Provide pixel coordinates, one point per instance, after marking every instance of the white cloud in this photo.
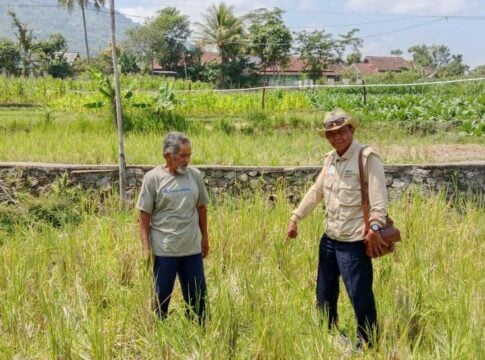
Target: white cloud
(421, 7)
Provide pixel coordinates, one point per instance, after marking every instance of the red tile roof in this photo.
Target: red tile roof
(297, 65)
(365, 68)
(209, 56)
(387, 63)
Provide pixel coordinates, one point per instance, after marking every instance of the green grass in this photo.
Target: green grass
(82, 291)
(43, 136)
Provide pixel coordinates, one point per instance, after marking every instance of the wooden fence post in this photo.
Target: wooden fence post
(364, 92)
(262, 98)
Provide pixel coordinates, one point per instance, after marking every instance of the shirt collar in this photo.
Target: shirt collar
(350, 151)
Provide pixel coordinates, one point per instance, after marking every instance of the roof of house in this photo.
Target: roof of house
(206, 57)
(365, 68)
(387, 63)
(70, 57)
(296, 65)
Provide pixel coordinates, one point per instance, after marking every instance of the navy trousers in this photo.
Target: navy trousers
(190, 270)
(349, 260)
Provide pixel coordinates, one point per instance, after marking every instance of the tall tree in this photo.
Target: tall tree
(478, 71)
(454, 68)
(421, 55)
(440, 55)
(222, 29)
(25, 39)
(270, 39)
(354, 57)
(162, 38)
(318, 49)
(9, 56)
(396, 52)
(51, 49)
(354, 42)
(83, 4)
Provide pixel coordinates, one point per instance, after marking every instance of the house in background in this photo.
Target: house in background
(378, 64)
(294, 73)
(71, 57)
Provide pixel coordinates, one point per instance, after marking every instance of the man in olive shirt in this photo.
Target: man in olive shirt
(342, 249)
(173, 224)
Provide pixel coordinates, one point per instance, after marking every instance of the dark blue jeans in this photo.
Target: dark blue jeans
(349, 260)
(190, 270)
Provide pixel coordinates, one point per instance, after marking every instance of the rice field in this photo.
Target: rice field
(73, 284)
(81, 290)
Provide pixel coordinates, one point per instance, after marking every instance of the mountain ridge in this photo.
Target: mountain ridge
(45, 18)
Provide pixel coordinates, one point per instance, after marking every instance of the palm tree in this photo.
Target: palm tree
(224, 30)
(70, 4)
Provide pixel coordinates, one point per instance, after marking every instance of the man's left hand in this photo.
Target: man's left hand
(377, 246)
(205, 246)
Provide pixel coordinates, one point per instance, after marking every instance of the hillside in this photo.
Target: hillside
(45, 18)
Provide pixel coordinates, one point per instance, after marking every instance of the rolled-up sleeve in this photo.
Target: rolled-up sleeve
(377, 190)
(203, 195)
(312, 198)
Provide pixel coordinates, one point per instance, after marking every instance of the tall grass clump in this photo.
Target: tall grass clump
(83, 291)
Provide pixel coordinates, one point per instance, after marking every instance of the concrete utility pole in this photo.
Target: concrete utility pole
(119, 118)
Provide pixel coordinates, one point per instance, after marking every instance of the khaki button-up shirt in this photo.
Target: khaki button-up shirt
(338, 183)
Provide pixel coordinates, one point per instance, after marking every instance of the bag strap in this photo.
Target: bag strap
(364, 191)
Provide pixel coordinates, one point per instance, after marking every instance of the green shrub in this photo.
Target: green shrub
(144, 120)
(258, 119)
(225, 126)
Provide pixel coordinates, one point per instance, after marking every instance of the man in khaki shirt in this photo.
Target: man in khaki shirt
(342, 250)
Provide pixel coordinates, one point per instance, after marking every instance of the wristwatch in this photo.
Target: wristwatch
(375, 227)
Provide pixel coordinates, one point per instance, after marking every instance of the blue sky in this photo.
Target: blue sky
(377, 20)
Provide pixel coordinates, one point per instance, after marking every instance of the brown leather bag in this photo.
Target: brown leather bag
(389, 233)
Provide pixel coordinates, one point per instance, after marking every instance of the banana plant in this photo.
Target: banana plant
(107, 90)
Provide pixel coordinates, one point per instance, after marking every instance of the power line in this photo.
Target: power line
(247, 42)
(354, 24)
(401, 29)
(144, 17)
(456, 17)
(480, 17)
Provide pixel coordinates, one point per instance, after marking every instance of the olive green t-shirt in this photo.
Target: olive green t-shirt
(172, 201)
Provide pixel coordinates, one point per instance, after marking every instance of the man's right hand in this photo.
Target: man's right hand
(147, 257)
(292, 231)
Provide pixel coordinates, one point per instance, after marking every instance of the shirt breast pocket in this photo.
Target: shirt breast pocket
(349, 192)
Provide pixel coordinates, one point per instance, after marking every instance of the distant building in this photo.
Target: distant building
(377, 64)
(294, 72)
(71, 57)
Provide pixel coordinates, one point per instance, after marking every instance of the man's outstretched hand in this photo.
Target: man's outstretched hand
(292, 231)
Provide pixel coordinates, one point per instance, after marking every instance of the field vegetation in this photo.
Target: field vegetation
(68, 121)
(73, 284)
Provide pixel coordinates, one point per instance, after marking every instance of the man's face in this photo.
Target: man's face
(180, 161)
(340, 139)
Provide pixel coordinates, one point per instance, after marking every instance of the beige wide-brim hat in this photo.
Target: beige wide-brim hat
(336, 119)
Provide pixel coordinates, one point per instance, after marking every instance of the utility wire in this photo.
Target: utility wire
(460, 17)
(248, 42)
(197, 6)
